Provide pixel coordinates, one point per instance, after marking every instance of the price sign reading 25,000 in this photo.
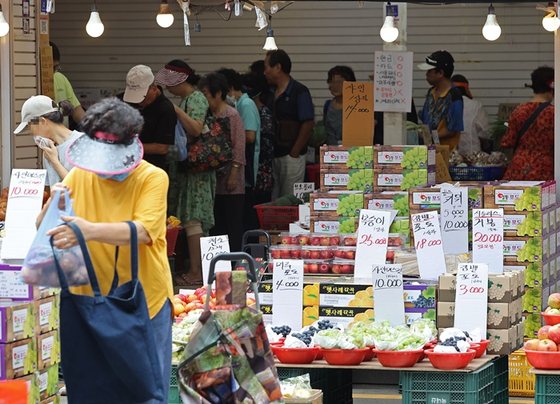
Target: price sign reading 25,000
(373, 232)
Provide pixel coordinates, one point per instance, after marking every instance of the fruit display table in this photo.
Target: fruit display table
(547, 386)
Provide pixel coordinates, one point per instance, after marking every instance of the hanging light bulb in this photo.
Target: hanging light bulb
(164, 17)
(389, 32)
(4, 26)
(551, 22)
(270, 43)
(94, 26)
(491, 30)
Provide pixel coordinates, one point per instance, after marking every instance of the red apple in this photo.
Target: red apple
(285, 254)
(350, 254)
(554, 333)
(531, 344)
(305, 254)
(336, 268)
(286, 240)
(275, 254)
(335, 240)
(347, 269)
(295, 254)
(315, 254)
(350, 241)
(313, 268)
(316, 241)
(304, 240)
(554, 312)
(294, 240)
(543, 332)
(554, 300)
(324, 268)
(339, 253)
(326, 254)
(325, 241)
(390, 256)
(305, 268)
(546, 345)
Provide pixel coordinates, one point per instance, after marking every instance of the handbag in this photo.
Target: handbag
(108, 349)
(178, 151)
(212, 149)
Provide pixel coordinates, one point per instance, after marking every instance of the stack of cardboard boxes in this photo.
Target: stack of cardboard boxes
(29, 340)
(504, 321)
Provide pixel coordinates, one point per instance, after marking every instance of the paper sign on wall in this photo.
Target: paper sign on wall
(357, 113)
(25, 200)
(455, 220)
(388, 303)
(287, 295)
(373, 232)
(429, 248)
(393, 81)
(488, 238)
(209, 248)
(302, 188)
(471, 297)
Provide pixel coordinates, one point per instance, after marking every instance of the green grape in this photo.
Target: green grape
(401, 204)
(347, 225)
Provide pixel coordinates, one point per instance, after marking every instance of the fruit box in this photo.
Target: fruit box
(48, 314)
(387, 201)
(47, 292)
(502, 288)
(310, 293)
(351, 179)
(523, 224)
(405, 157)
(330, 224)
(17, 320)
(336, 203)
(502, 341)
(430, 198)
(533, 274)
(13, 288)
(525, 249)
(396, 179)
(18, 358)
(500, 315)
(47, 380)
(316, 398)
(33, 395)
(346, 157)
(549, 220)
(419, 297)
(517, 196)
(411, 315)
(533, 300)
(346, 316)
(51, 400)
(531, 324)
(345, 295)
(48, 349)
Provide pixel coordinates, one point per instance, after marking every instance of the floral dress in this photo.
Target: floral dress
(533, 159)
(191, 195)
(265, 180)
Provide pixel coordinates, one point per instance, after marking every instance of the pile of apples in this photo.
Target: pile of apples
(548, 339)
(553, 304)
(185, 303)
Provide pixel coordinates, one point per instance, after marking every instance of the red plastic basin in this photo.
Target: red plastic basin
(370, 354)
(450, 361)
(543, 359)
(398, 359)
(551, 319)
(344, 357)
(482, 345)
(295, 355)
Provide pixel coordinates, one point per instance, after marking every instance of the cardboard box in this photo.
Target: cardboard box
(18, 358)
(405, 157)
(47, 381)
(336, 203)
(411, 315)
(345, 316)
(47, 292)
(51, 400)
(13, 288)
(510, 196)
(387, 201)
(310, 293)
(316, 398)
(48, 349)
(17, 320)
(442, 168)
(32, 388)
(330, 224)
(396, 179)
(505, 109)
(502, 341)
(48, 314)
(345, 295)
(351, 179)
(346, 157)
(500, 315)
(420, 297)
(531, 324)
(515, 247)
(520, 224)
(422, 198)
(532, 300)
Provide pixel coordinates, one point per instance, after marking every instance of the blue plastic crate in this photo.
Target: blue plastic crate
(475, 173)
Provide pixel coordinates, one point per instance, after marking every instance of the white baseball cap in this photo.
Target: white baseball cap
(34, 107)
(138, 81)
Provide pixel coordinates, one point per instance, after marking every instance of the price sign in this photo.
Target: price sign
(357, 113)
(302, 188)
(25, 199)
(471, 297)
(287, 295)
(488, 238)
(12, 287)
(428, 244)
(393, 81)
(388, 302)
(455, 220)
(373, 232)
(209, 248)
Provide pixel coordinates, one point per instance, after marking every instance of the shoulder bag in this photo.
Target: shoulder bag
(531, 119)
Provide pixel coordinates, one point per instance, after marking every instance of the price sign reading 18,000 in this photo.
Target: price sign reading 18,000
(488, 238)
(373, 232)
(471, 297)
(427, 240)
(387, 293)
(287, 294)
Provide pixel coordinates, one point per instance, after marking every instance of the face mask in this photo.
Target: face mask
(231, 101)
(117, 177)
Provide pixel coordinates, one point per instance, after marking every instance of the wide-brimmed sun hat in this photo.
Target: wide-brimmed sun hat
(172, 76)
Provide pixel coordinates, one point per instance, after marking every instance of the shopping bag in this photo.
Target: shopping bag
(108, 349)
(178, 151)
(228, 358)
(39, 266)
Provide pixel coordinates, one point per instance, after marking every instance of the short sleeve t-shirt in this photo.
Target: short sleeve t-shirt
(52, 175)
(63, 91)
(251, 121)
(196, 106)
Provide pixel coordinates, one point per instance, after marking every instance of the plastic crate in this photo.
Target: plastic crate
(475, 173)
(335, 383)
(521, 382)
(171, 237)
(174, 397)
(501, 387)
(449, 387)
(276, 217)
(547, 389)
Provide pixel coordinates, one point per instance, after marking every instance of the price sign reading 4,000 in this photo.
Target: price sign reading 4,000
(286, 285)
(287, 295)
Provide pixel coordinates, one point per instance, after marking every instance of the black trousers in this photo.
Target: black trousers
(228, 217)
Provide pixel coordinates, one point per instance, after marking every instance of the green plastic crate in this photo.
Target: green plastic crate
(449, 387)
(501, 380)
(336, 384)
(174, 397)
(547, 389)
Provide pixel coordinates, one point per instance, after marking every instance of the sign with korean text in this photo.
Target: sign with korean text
(373, 233)
(488, 238)
(209, 248)
(302, 188)
(13, 287)
(428, 244)
(287, 295)
(357, 113)
(471, 297)
(47, 80)
(455, 220)
(393, 81)
(25, 200)
(388, 303)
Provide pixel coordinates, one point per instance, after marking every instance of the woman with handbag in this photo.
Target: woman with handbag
(191, 194)
(531, 132)
(116, 344)
(230, 189)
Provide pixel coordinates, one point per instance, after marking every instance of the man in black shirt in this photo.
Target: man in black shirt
(158, 112)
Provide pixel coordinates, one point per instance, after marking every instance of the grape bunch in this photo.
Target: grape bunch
(347, 225)
(532, 251)
(413, 178)
(531, 226)
(531, 300)
(452, 342)
(350, 204)
(533, 275)
(324, 324)
(415, 157)
(401, 204)
(360, 157)
(529, 200)
(422, 302)
(283, 330)
(360, 180)
(304, 336)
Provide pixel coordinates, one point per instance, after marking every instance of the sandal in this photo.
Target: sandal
(182, 279)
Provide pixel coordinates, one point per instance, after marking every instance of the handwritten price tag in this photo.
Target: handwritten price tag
(388, 302)
(373, 232)
(471, 297)
(455, 220)
(302, 188)
(357, 113)
(429, 248)
(209, 248)
(25, 199)
(287, 295)
(488, 238)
